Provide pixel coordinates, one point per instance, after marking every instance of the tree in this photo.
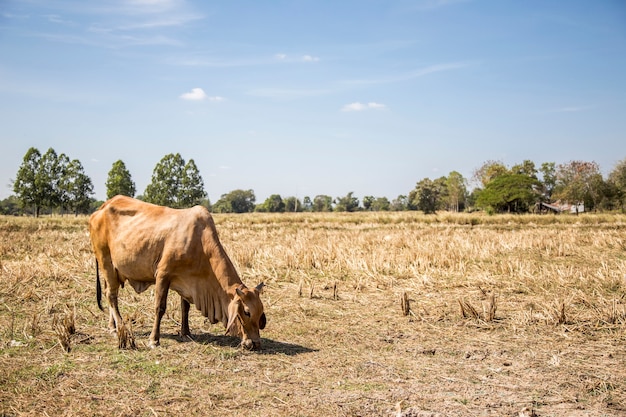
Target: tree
(348, 203)
(617, 179)
(488, 172)
(237, 201)
(527, 168)
(322, 203)
(191, 191)
(166, 181)
(78, 188)
(292, 205)
(456, 191)
(307, 204)
(49, 176)
(400, 203)
(273, 204)
(119, 181)
(175, 184)
(548, 179)
(426, 195)
(579, 181)
(513, 193)
(25, 185)
(380, 204)
(368, 200)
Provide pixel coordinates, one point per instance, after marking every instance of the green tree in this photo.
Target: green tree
(347, 203)
(548, 179)
(175, 183)
(579, 181)
(119, 181)
(381, 204)
(49, 176)
(400, 203)
(292, 205)
(322, 203)
(166, 181)
(426, 195)
(273, 204)
(191, 191)
(617, 178)
(25, 185)
(237, 201)
(527, 168)
(513, 193)
(77, 187)
(307, 204)
(368, 201)
(488, 172)
(456, 191)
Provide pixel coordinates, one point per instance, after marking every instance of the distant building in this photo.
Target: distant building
(559, 207)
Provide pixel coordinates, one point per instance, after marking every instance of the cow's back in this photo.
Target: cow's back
(139, 237)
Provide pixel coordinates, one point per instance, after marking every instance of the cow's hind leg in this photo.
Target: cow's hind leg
(160, 302)
(184, 318)
(112, 286)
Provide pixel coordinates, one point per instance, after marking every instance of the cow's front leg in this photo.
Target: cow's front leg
(184, 318)
(160, 302)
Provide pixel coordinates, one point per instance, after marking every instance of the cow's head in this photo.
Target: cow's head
(246, 316)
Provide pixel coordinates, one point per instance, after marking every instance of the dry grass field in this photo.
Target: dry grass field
(507, 316)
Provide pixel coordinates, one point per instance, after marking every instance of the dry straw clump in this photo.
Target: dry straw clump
(497, 314)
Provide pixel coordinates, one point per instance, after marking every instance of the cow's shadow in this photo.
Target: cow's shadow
(269, 346)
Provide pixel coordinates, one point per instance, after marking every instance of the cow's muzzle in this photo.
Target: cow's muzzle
(250, 344)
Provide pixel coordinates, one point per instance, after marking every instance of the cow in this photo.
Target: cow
(178, 249)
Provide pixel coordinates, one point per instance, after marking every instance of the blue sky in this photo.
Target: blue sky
(301, 98)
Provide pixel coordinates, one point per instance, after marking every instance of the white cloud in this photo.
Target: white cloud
(309, 58)
(358, 106)
(196, 94)
(216, 99)
(280, 57)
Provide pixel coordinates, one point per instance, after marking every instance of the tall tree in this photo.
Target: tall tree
(237, 201)
(166, 181)
(457, 191)
(513, 193)
(273, 204)
(617, 178)
(78, 188)
(191, 191)
(25, 185)
(548, 179)
(488, 172)
(578, 181)
(292, 205)
(347, 203)
(323, 203)
(175, 183)
(49, 176)
(426, 195)
(119, 181)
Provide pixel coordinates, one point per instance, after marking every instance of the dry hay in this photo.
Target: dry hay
(503, 315)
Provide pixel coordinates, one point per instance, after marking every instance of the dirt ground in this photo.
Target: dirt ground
(508, 316)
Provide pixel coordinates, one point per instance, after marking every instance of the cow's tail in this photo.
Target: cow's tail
(98, 288)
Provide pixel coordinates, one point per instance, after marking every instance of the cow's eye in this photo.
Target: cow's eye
(247, 313)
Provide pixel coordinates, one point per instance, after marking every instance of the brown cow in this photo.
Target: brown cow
(145, 244)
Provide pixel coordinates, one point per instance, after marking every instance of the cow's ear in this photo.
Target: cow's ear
(233, 312)
(259, 287)
(239, 291)
(262, 321)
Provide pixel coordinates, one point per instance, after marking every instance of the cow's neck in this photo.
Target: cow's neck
(226, 273)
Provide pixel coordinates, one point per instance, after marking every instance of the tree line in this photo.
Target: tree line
(51, 182)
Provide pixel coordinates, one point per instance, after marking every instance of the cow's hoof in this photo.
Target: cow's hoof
(153, 344)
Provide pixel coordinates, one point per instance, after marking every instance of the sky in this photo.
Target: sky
(304, 98)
